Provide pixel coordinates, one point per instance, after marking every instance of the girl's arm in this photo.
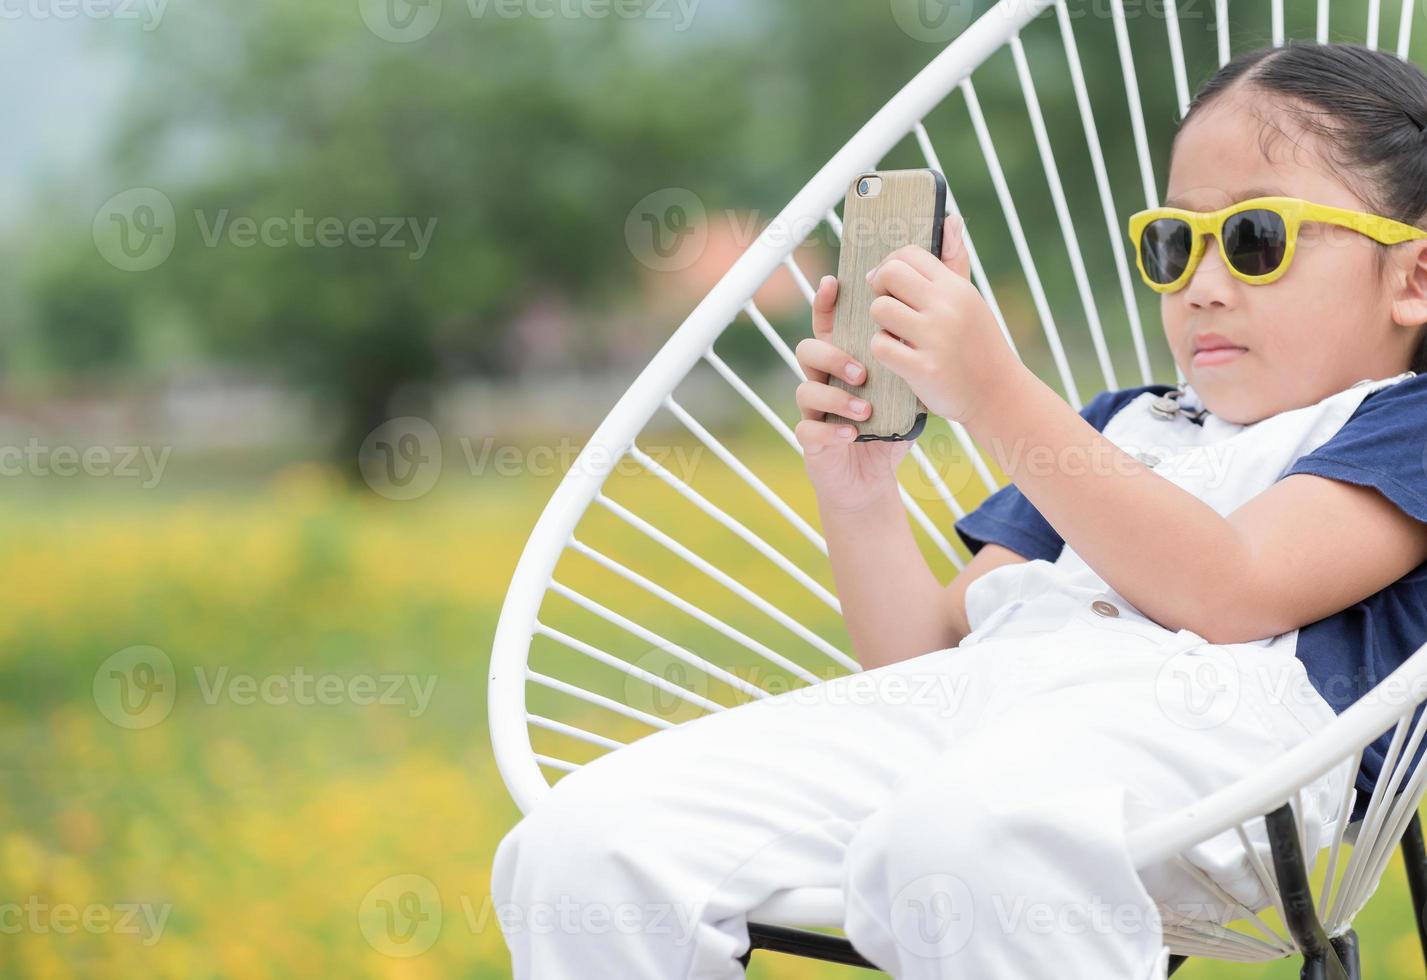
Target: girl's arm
(1302, 550)
(894, 607)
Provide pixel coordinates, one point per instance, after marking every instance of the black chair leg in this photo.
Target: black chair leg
(800, 942)
(1323, 958)
(1414, 856)
(1347, 947)
(833, 949)
(1320, 956)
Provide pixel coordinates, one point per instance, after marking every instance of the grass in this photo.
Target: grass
(266, 831)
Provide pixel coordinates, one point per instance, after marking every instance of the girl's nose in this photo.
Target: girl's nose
(1212, 284)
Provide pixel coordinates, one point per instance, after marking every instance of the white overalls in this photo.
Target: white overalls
(971, 803)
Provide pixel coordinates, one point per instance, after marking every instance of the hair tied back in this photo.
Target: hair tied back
(1421, 127)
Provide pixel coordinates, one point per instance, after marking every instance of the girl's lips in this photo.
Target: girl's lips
(1217, 356)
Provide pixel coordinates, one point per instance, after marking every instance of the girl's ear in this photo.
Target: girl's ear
(1409, 304)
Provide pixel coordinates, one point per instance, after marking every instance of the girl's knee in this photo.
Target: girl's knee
(581, 841)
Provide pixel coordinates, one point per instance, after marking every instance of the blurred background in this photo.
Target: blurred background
(305, 310)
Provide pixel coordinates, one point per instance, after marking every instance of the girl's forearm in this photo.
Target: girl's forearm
(891, 601)
(1166, 551)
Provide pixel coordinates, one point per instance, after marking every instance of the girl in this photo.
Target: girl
(1179, 585)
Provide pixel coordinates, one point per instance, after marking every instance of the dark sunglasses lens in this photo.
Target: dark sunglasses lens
(1165, 248)
(1256, 242)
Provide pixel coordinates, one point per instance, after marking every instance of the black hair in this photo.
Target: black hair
(1369, 108)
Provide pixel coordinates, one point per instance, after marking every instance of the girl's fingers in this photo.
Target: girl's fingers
(819, 359)
(815, 436)
(816, 399)
(895, 355)
(900, 359)
(920, 260)
(894, 316)
(824, 306)
(899, 278)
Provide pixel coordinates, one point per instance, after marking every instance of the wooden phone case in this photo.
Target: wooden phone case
(909, 210)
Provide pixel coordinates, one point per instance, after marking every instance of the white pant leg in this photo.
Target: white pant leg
(694, 825)
(1007, 858)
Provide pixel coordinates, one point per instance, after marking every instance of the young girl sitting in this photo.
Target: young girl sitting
(1179, 585)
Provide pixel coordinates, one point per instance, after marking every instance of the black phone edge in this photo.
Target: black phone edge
(937, 227)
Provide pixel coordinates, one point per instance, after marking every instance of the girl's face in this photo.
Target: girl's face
(1331, 320)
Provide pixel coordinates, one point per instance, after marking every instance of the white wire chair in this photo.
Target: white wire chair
(771, 611)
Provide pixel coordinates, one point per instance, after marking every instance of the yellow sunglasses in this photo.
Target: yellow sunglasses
(1256, 237)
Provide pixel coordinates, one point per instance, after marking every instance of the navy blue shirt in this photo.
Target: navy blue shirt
(1382, 445)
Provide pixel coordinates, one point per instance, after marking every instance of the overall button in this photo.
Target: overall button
(1103, 608)
(1148, 459)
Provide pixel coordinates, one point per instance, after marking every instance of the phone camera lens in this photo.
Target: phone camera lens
(863, 187)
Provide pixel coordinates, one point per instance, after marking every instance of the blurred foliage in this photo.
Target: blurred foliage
(527, 140)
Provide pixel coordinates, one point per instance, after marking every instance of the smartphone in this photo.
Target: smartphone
(884, 211)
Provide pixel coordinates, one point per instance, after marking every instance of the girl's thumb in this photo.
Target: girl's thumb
(953, 247)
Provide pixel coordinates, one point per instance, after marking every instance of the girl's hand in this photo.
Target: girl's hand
(937, 332)
(847, 475)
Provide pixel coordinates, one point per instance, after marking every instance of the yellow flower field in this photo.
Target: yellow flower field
(244, 730)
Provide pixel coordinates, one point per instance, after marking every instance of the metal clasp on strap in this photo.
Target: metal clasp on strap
(1167, 406)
